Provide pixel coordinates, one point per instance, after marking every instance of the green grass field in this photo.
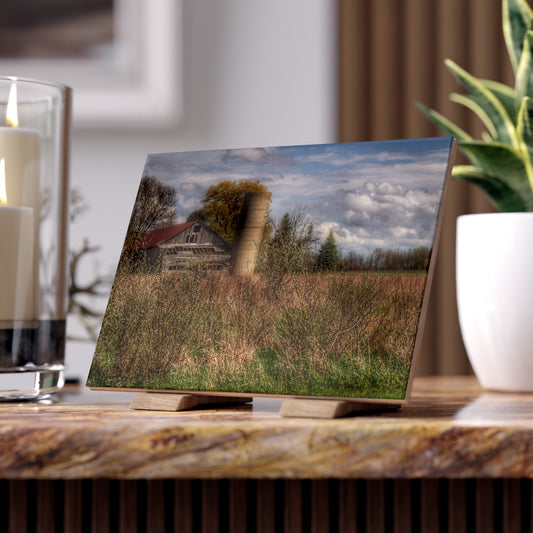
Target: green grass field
(314, 334)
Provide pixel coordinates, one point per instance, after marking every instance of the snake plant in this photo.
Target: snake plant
(502, 161)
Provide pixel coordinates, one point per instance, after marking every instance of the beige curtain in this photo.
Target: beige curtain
(391, 55)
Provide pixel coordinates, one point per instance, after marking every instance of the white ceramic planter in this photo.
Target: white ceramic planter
(494, 273)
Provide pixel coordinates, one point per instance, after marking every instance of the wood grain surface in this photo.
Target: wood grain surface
(451, 428)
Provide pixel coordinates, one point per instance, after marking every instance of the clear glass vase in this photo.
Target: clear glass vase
(34, 197)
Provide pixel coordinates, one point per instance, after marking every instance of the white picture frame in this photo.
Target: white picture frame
(139, 87)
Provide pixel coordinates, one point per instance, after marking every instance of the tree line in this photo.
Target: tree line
(386, 259)
(294, 248)
(288, 245)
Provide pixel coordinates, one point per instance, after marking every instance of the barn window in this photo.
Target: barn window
(196, 228)
(192, 238)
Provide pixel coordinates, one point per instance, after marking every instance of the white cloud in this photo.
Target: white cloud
(370, 194)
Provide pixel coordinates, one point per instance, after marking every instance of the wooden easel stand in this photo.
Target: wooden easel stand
(292, 408)
(297, 408)
(160, 401)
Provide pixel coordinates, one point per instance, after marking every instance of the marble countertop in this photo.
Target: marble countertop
(450, 428)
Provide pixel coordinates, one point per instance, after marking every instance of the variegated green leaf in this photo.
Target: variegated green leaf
(525, 133)
(505, 94)
(525, 122)
(486, 137)
(492, 107)
(445, 125)
(472, 104)
(500, 160)
(524, 74)
(500, 194)
(517, 19)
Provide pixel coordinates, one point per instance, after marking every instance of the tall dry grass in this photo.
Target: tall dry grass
(324, 334)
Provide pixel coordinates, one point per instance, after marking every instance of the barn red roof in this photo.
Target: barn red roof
(157, 236)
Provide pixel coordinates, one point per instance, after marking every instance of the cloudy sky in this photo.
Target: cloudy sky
(376, 194)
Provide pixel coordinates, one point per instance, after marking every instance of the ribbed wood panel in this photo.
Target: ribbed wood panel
(391, 55)
(325, 506)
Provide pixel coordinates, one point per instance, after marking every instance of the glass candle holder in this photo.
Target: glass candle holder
(34, 197)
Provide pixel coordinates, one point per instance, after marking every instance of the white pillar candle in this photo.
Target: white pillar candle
(17, 273)
(21, 150)
(16, 266)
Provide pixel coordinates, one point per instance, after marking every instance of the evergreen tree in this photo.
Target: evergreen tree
(290, 249)
(328, 255)
(283, 232)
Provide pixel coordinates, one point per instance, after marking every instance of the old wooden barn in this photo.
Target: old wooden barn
(183, 245)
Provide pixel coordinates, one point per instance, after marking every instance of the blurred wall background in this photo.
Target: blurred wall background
(257, 73)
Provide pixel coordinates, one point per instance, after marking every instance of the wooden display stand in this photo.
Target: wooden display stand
(297, 408)
(160, 401)
(291, 408)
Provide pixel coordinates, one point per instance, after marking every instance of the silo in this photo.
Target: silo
(249, 232)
